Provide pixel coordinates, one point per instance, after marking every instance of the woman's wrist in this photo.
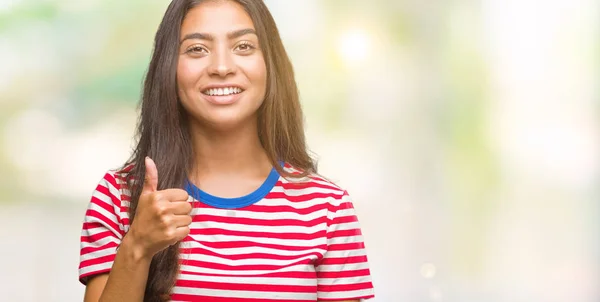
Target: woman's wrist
(133, 251)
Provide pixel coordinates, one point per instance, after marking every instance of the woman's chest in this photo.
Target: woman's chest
(245, 254)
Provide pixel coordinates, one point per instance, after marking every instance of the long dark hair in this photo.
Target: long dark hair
(162, 131)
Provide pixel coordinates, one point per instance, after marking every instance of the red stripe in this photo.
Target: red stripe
(291, 274)
(194, 298)
(261, 208)
(344, 219)
(302, 198)
(257, 208)
(344, 260)
(346, 246)
(345, 287)
(104, 219)
(306, 185)
(321, 179)
(99, 202)
(91, 249)
(244, 267)
(111, 180)
(345, 274)
(260, 222)
(273, 235)
(96, 237)
(344, 233)
(126, 169)
(247, 287)
(344, 205)
(349, 299)
(121, 178)
(201, 251)
(99, 260)
(92, 225)
(238, 244)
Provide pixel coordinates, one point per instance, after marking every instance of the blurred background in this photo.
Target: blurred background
(467, 132)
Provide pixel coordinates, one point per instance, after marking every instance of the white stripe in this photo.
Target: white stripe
(125, 205)
(104, 213)
(306, 190)
(311, 177)
(107, 227)
(98, 254)
(345, 281)
(251, 250)
(242, 294)
(100, 242)
(342, 267)
(107, 200)
(238, 227)
(346, 294)
(95, 268)
(347, 253)
(203, 270)
(103, 227)
(346, 226)
(250, 280)
(265, 240)
(326, 183)
(346, 239)
(297, 205)
(125, 191)
(345, 212)
(247, 261)
(261, 215)
(112, 189)
(95, 230)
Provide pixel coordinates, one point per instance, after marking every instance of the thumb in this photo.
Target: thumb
(151, 177)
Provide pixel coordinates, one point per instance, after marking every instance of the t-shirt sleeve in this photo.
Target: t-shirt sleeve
(102, 229)
(343, 273)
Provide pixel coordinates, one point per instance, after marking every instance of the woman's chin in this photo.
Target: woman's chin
(223, 118)
(226, 122)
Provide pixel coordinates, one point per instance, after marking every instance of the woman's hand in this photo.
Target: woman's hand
(162, 218)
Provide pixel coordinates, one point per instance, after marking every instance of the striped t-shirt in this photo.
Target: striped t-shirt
(289, 240)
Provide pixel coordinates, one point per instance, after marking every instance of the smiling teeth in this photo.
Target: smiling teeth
(223, 91)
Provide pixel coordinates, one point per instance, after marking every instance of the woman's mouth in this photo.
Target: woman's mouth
(222, 95)
(222, 91)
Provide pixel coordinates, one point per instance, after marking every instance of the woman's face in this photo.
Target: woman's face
(221, 73)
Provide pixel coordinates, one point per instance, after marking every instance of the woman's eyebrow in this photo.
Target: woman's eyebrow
(231, 35)
(242, 32)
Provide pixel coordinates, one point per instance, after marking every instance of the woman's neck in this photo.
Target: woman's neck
(237, 151)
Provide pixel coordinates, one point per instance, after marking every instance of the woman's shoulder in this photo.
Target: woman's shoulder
(117, 178)
(311, 181)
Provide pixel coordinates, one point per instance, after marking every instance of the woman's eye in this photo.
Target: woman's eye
(196, 49)
(245, 47)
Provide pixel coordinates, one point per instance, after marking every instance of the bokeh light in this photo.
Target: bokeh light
(354, 46)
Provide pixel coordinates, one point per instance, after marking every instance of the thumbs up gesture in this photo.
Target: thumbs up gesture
(162, 218)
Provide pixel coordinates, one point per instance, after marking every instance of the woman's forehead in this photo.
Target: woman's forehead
(217, 18)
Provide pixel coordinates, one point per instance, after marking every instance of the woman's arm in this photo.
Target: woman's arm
(162, 219)
(127, 278)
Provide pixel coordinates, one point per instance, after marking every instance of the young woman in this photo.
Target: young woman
(220, 200)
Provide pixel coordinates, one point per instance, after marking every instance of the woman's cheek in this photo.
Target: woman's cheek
(189, 71)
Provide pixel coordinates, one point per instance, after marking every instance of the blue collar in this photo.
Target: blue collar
(234, 203)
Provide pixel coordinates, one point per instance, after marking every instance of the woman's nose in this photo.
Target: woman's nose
(222, 63)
